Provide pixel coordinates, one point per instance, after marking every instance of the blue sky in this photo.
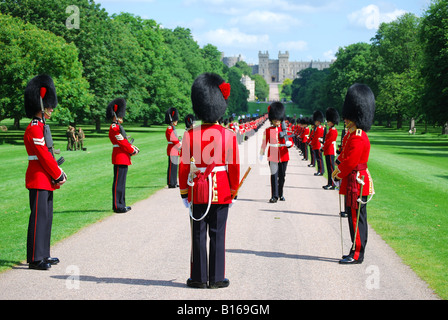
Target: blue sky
(309, 30)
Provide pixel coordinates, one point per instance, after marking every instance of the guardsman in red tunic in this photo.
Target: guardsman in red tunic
(358, 113)
(329, 149)
(304, 137)
(316, 143)
(43, 175)
(173, 148)
(278, 153)
(121, 154)
(209, 173)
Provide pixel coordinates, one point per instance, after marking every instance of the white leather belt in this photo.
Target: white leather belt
(277, 145)
(216, 169)
(31, 158)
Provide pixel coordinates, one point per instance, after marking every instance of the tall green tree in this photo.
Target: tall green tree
(353, 64)
(28, 51)
(434, 36)
(310, 91)
(397, 51)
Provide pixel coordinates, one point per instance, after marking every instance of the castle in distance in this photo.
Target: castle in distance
(278, 70)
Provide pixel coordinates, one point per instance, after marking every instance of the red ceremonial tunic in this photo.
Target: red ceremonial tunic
(353, 159)
(318, 133)
(121, 155)
(210, 143)
(305, 134)
(330, 142)
(277, 151)
(174, 144)
(42, 167)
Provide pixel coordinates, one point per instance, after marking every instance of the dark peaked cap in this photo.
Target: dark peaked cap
(117, 106)
(359, 106)
(208, 101)
(40, 86)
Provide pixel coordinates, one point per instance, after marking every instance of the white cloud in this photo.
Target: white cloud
(371, 17)
(293, 46)
(266, 20)
(239, 7)
(329, 55)
(233, 38)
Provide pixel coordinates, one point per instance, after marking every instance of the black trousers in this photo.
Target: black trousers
(215, 222)
(278, 175)
(313, 157)
(305, 151)
(171, 175)
(329, 161)
(119, 187)
(39, 227)
(360, 239)
(319, 160)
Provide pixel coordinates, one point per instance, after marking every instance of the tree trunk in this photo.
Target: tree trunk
(399, 121)
(16, 123)
(98, 124)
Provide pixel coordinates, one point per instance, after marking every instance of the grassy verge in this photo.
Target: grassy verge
(409, 209)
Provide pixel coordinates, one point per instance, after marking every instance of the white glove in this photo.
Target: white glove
(233, 202)
(288, 144)
(186, 203)
(261, 157)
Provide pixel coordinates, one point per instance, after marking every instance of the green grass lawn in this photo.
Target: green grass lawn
(409, 209)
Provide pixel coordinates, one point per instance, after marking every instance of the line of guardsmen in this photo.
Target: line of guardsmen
(208, 181)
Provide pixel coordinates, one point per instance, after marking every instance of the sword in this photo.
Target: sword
(242, 182)
(359, 211)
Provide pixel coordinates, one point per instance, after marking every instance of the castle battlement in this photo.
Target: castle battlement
(279, 70)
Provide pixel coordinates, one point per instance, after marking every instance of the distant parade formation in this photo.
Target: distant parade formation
(204, 165)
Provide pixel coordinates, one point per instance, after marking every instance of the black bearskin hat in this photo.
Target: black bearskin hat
(318, 116)
(116, 107)
(43, 87)
(209, 95)
(359, 106)
(189, 121)
(276, 111)
(332, 115)
(171, 115)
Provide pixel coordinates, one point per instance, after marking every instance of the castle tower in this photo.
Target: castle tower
(283, 66)
(263, 65)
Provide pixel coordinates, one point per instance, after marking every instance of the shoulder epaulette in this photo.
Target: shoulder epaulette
(359, 132)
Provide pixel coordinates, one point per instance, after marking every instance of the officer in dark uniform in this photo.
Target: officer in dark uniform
(43, 175)
(209, 174)
(358, 113)
(173, 148)
(121, 154)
